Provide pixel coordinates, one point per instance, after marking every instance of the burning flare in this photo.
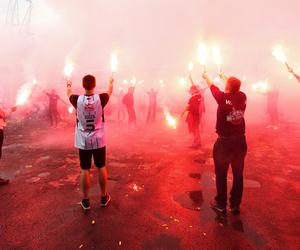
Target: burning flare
(191, 66)
(114, 64)
(217, 56)
(202, 54)
(71, 109)
(25, 92)
(261, 87)
(171, 121)
(133, 81)
(69, 68)
(182, 82)
(279, 54)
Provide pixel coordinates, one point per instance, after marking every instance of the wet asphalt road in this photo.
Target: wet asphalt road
(160, 192)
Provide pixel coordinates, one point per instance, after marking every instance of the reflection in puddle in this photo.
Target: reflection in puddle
(33, 180)
(191, 200)
(195, 175)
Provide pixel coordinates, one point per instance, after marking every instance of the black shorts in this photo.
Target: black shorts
(99, 156)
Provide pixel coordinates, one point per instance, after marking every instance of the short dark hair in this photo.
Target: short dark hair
(233, 84)
(89, 82)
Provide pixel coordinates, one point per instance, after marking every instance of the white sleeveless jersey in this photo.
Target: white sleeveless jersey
(89, 132)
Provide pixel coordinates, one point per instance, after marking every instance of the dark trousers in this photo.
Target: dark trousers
(151, 113)
(229, 151)
(53, 115)
(131, 115)
(1, 141)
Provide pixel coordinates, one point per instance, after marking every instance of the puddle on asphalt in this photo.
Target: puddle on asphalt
(55, 184)
(196, 176)
(294, 167)
(33, 180)
(70, 179)
(248, 183)
(118, 164)
(251, 184)
(191, 200)
(17, 145)
(200, 160)
(279, 179)
(210, 161)
(45, 174)
(162, 217)
(43, 158)
(163, 241)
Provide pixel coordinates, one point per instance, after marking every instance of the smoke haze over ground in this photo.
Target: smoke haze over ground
(160, 185)
(154, 39)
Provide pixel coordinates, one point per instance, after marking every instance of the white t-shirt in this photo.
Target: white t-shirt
(89, 131)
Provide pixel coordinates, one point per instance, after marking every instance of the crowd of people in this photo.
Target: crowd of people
(229, 149)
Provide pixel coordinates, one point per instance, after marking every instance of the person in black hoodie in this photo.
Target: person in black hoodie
(230, 147)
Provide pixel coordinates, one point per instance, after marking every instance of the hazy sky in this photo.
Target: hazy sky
(164, 33)
(155, 38)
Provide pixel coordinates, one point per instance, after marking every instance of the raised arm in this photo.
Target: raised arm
(63, 101)
(292, 72)
(4, 113)
(223, 76)
(191, 80)
(69, 88)
(297, 77)
(209, 82)
(110, 86)
(217, 94)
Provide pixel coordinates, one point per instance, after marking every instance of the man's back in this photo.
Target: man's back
(230, 114)
(89, 132)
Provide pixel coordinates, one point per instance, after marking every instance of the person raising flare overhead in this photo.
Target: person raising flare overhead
(53, 110)
(194, 115)
(230, 147)
(294, 74)
(90, 135)
(3, 116)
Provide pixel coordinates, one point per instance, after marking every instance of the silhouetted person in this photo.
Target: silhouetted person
(53, 110)
(230, 147)
(202, 104)
(3, 116)
(152, 94)
(128, 101)
(121, 108)
(194, 115)
(90, 136)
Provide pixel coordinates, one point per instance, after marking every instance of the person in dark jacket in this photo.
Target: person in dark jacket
(152, 94)
(230, 147)
(128, 101)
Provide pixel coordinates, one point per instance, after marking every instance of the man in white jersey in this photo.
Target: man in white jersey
(90, 135)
